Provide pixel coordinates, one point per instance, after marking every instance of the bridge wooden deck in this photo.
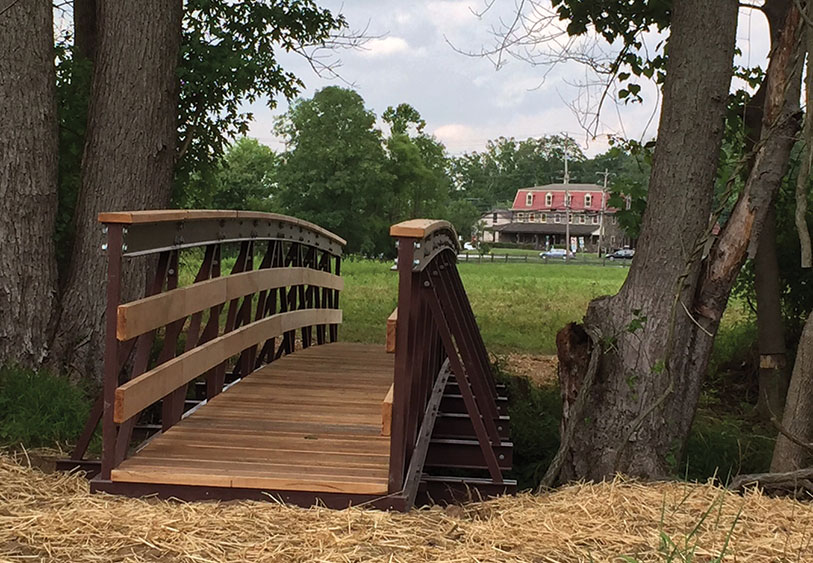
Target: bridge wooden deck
(306, 422)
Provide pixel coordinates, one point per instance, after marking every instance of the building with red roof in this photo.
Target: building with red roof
(540, 217)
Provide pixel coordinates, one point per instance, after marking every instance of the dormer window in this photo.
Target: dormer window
(588, 200)
(548, 199)
(568, 200)
(529, 199)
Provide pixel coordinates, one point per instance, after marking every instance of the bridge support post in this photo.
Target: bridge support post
(401, 382)
(111, 360)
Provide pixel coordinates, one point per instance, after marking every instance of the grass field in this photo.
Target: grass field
(519, 307)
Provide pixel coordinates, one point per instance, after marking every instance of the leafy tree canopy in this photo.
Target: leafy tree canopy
(229, 56)
(334, 172)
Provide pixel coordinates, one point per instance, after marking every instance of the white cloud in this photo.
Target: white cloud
(451, 13)
(384, 47)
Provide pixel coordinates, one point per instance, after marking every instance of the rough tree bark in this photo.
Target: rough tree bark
(797, 423)
(656, 334)
(773, 372)
(773, 376)
(128, 158)
(635, 326)
(28, 182)
(84, 27)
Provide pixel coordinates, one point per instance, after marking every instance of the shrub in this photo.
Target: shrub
(39, 409)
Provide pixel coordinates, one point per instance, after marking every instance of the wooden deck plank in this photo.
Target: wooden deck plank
(310, 421)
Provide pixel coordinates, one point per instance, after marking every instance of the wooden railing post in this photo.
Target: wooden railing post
(401, 377)
(111, 347)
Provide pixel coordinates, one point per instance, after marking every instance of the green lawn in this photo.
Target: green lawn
(519, 307)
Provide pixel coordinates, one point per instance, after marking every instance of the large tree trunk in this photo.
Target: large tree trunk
(773, 373)
(128, 159)
(789, 454)
(84, 28)
(656, 335)
(645, 375)
(28, 181)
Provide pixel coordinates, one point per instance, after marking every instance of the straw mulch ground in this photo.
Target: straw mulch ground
(52, 517)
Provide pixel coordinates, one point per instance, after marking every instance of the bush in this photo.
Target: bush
(724, 445)
(39, 409)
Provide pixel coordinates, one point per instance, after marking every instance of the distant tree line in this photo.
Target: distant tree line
(344, 172)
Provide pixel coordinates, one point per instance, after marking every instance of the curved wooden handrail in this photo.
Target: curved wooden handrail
(144, 390)
(141, 316)
(175, 215)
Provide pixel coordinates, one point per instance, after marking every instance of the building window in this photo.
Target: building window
(568, 200)
(612, 240)
(581, 219)
(548, 199)
(532, 218)
(588, 200)
(595, 219)
(494, 218)
(615, 219)
(529, 199)
(557, 218)
(543, 218)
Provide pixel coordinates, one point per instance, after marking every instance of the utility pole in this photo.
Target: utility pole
(567, 208)
(606, 173)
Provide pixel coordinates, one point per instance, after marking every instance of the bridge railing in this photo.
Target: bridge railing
(436, 338)
(224, 325)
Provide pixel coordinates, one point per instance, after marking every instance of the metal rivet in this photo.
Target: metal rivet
(104, 246)
(124, 247)
(104, 229)
(426, 283)
(502, 457)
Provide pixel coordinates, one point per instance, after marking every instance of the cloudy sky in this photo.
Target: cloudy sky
(415, 57)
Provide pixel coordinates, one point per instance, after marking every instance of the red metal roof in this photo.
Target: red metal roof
(578, 193)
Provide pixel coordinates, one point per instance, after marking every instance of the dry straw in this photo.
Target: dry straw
(53, 517)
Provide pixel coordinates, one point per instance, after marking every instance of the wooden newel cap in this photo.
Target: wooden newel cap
(420, 228)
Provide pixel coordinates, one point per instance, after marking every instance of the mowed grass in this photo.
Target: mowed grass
(519, 307)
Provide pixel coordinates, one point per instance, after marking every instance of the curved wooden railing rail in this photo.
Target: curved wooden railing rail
(436, 338)
(285, 280)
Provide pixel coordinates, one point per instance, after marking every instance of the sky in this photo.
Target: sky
(417, 55)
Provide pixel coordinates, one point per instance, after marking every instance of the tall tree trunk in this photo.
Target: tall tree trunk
(797, 422)
(28, 181)
(654, 338)
(773, 374)
(645, 375)
(128, 158)
(84, 28)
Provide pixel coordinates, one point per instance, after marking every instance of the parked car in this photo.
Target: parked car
(623, 254)
(555, 253)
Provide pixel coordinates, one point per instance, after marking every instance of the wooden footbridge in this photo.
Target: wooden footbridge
(237, 386)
